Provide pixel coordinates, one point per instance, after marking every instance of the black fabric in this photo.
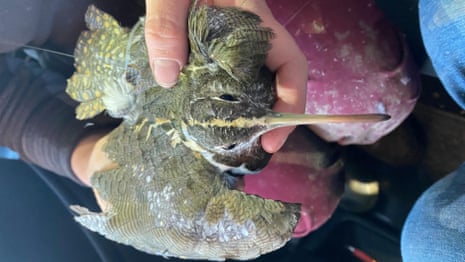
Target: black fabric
(37, 224)
(56, 22)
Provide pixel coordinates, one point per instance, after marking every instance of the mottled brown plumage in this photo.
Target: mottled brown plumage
(171, 192)
(165, 197)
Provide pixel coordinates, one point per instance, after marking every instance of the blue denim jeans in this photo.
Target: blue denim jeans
(442, 25)
(435, 228)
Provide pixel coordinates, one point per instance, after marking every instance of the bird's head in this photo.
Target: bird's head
(229, 92)
(223, 119)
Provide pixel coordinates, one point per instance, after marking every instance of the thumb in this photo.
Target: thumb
(166, 38)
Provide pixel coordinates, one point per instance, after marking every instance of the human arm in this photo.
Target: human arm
(42, 128)
(34, 121)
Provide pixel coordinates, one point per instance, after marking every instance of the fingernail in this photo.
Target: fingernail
(166, 72)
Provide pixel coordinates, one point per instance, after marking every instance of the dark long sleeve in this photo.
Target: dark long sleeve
(33, 120)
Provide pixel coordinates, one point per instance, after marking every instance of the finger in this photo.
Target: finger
(291, 84)
(103, 204)
(166, 38)
(290, 64)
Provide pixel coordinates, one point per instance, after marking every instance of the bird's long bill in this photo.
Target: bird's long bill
(276, 120)
(273, 120)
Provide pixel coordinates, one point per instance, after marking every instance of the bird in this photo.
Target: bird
(179, 152)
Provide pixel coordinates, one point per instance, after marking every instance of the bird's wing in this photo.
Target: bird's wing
(105, 76)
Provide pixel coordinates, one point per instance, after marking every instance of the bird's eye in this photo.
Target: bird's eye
(230, 147)
(228, 97)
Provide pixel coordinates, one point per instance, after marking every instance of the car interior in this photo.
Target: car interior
(382, 183)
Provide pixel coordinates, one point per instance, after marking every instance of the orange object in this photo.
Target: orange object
(364, 257)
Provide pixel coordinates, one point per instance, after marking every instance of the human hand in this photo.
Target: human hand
(89, 158)
(166, 37)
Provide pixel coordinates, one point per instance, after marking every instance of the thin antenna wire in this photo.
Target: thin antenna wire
(243, 3)
(37, 48)
(49, 51)
(129, 44)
